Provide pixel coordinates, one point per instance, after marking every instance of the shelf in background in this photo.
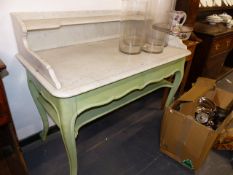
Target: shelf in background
(206, 9)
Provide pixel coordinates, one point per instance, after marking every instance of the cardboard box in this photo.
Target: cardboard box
(182, 137)
(225, 139)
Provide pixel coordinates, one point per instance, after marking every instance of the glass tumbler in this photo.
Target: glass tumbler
(132, 26)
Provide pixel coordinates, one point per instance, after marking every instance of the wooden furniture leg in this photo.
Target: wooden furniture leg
(191, 45)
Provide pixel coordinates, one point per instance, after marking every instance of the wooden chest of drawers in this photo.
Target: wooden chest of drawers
(221, 44)
(210, 55)
(219, 49)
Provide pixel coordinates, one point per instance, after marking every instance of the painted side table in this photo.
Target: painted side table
(76, 73)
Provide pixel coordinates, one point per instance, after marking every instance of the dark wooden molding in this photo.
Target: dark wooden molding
(191, 8)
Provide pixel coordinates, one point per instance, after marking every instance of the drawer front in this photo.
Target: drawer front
(221, 45)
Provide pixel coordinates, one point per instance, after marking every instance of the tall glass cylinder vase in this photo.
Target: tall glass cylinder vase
(132, 28)
(158, 16)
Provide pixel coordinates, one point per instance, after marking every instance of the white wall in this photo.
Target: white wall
(24, 112)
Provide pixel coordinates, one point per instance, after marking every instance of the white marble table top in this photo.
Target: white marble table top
(84, 67)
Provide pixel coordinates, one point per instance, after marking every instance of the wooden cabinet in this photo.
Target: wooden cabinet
(215, 50)
(221, 44)
(11, 158)
(210, 56)
(229, 60)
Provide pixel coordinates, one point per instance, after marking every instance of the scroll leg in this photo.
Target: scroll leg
(43, 114)
(68, 136)
(176, 83)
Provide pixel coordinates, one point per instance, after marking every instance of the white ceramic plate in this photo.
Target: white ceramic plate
(217, 20)
(225, 2)
(214, 16)
(229, 2)
(218, 2)
(209, 3)
(203, 3)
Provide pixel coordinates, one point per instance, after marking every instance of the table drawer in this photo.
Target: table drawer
(221, 45)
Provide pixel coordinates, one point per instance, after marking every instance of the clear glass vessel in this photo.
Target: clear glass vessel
(132, 28)
(158, 16)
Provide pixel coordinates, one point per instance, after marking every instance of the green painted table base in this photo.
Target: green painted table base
(70, 114)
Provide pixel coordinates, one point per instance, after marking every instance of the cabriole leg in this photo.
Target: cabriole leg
(43, 113)
(68, 136)
(67, 116)
(176, 83)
